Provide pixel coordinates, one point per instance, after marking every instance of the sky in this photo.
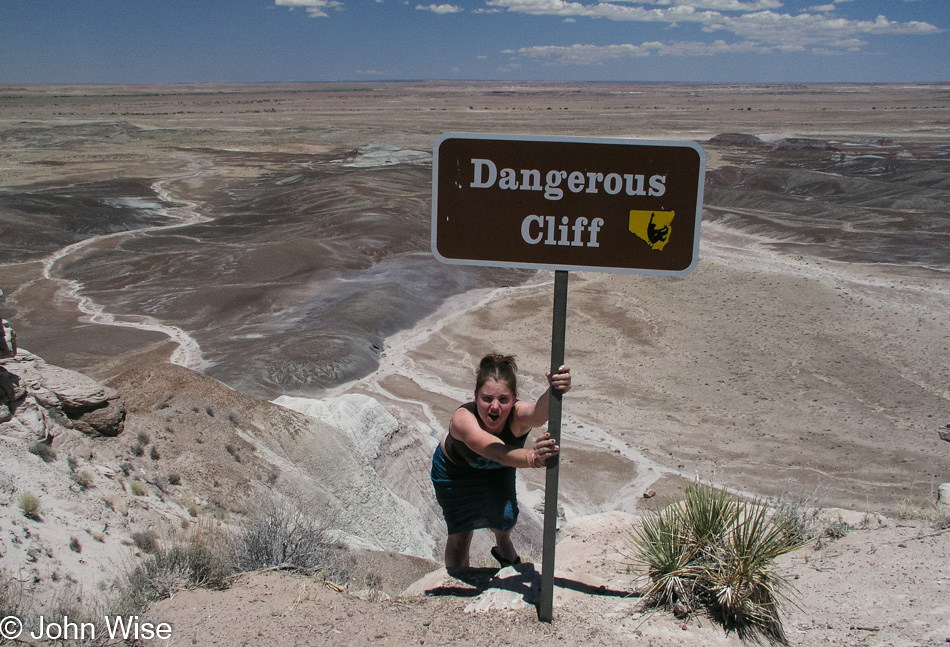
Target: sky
(197, 41)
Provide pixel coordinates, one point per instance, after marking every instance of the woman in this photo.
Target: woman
(473, 468)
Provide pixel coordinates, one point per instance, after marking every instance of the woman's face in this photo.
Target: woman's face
(494, 402)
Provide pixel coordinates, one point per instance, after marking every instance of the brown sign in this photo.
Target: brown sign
(565, 203)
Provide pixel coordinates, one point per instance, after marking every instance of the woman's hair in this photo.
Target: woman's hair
(497, 367)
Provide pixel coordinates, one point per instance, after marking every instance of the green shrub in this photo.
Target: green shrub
(714, 552)
(137, 488)
(30, 506)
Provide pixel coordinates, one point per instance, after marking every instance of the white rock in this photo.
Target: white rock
(943, 499)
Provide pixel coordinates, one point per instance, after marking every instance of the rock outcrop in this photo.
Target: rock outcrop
(7, 339)
(39, 401)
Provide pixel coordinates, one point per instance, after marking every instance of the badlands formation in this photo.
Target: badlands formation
(272, 242)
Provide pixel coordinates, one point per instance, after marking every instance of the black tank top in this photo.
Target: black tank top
(460, 454)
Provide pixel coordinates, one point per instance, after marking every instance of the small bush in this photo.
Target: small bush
(166, 572)
(138, 450)
(44, 451)
(799, 515)
(714, 552)
(197, 559)
(153, 453)
(281, 533)
(146, 541)
(174, 479)
(83, 479)
(11, 596)
(137, 488)
(836, 529)
(126, 467)
(143, 438)
(30, 506)
(74, 545)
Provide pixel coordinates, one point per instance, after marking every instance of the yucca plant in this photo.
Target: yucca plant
(663, 542)
(715, 552)
(708, 514)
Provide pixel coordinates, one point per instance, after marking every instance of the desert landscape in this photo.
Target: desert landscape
(205, 250)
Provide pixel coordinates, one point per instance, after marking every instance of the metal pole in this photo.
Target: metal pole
(545, 612)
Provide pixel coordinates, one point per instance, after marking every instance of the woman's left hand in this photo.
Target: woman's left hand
(545, 447)
(560, 380)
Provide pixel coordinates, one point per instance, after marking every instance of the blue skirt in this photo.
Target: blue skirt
(474, 498)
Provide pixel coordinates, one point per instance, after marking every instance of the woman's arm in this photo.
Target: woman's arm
(465, 427)
(527, 415)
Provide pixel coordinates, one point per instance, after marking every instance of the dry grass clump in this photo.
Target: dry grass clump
(713, 552)
(43, 450)
(923, 507)
(281, 534)
(194, 561)
(11, 596)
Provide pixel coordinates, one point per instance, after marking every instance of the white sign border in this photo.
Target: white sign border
(618, 141)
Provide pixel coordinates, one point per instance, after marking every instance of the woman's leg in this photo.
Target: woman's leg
(456, 549)
(505, 548)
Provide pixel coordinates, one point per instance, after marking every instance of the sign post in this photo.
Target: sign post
(558, 329)
(562, 204)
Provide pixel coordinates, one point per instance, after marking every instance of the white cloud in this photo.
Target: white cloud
(751, 19)
(625, 7)
(722, 5)
(314, 8)
(439, 8)
(785, 31)
(596, 54)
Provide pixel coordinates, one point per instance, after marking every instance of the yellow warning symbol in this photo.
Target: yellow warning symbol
(653, 227)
